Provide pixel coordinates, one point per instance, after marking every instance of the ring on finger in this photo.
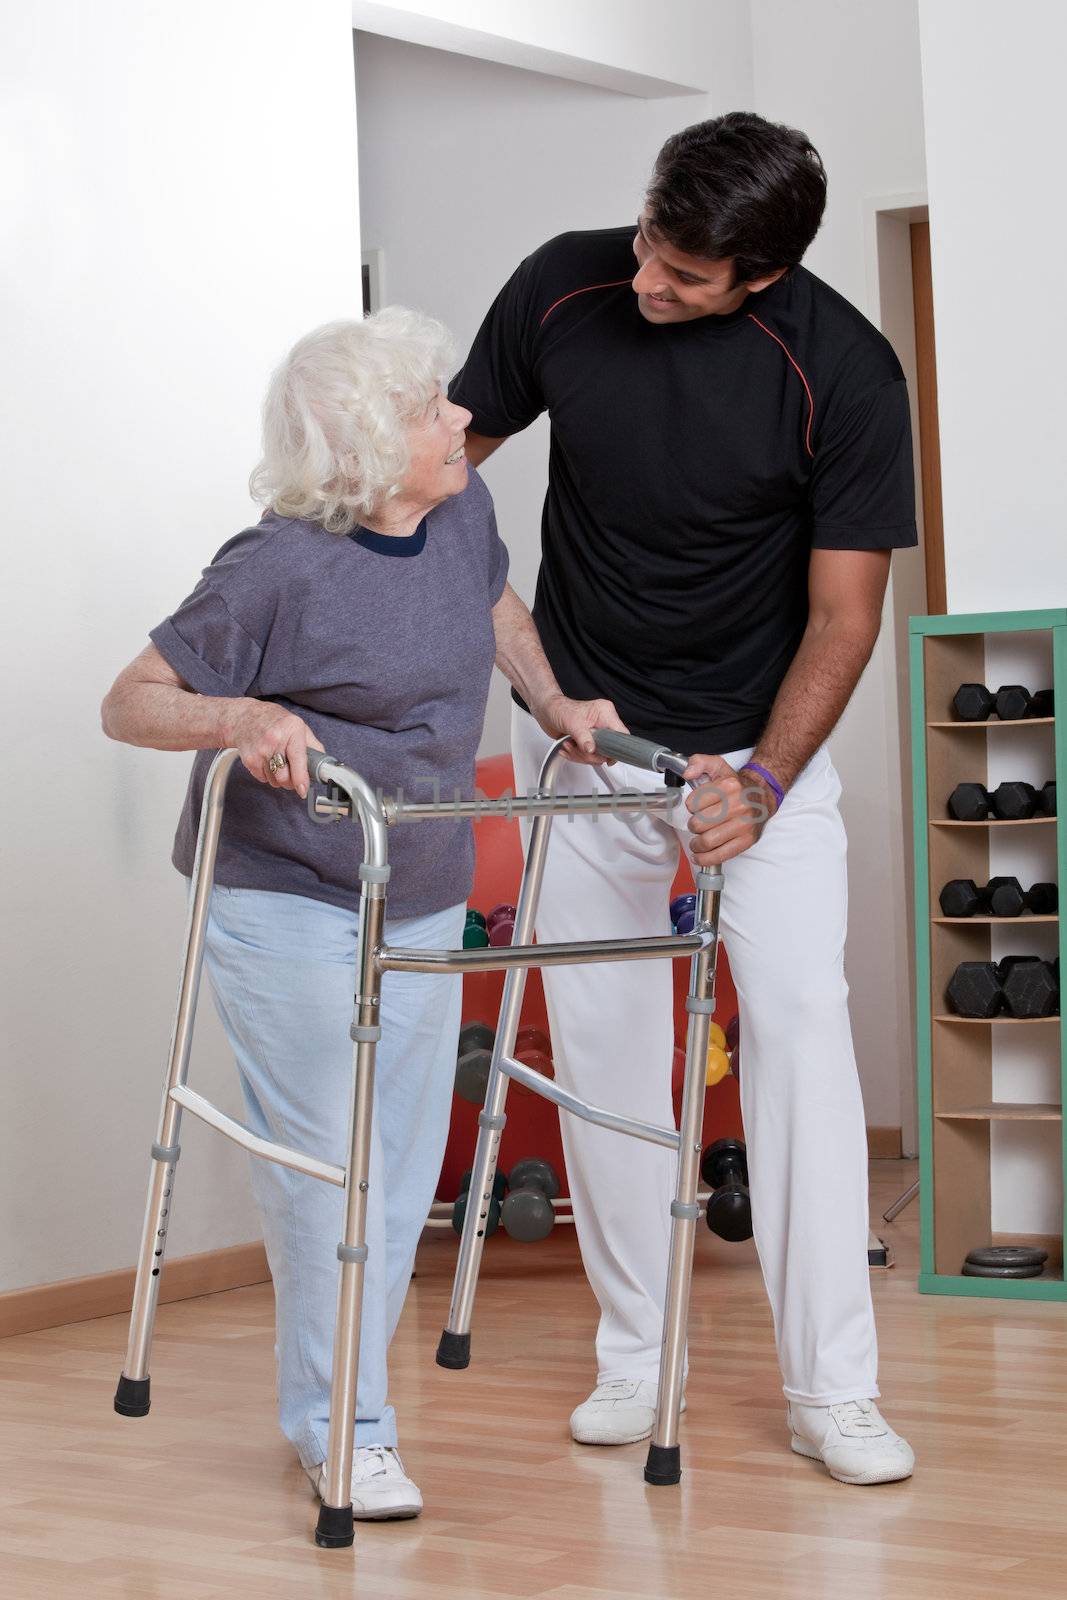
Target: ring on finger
(276, 763)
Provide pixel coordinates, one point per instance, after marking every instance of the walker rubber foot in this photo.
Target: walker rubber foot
(454, 1351)
(334, 1530)
(664, 1464)
(132, 1398)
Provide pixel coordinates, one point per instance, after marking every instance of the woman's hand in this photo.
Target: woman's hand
(260, 730)
(575, 720)
(728, 812)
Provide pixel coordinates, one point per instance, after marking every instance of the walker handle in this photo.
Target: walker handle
(315, 758)
(636, 752)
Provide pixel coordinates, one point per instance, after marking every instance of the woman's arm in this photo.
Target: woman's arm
(148, 704)
(521, 658)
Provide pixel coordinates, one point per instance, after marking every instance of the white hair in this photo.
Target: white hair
(334, 440)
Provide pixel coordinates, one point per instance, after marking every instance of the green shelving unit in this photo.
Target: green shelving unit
(957, 1056)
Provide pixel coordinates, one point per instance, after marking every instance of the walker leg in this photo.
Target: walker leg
(335, 1525)
(454, 1346)
(132, 1396)
(663, 1465)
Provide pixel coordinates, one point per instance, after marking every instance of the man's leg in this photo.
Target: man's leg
(784, 916)
(612, 1037)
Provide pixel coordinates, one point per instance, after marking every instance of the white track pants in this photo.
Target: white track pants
(783, 915)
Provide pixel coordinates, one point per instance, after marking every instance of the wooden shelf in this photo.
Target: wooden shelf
(991, 822)
(987, 1022)
(1004, 1111)
(962, 1061)
(993, 922)
(997, 722)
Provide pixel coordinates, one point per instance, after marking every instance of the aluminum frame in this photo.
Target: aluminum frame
(349, 796)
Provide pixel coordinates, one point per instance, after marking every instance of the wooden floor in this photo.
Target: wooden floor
(202, 1500)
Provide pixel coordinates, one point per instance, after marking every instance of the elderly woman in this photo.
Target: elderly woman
(361, 614)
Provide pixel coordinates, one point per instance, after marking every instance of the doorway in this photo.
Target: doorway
(929, 439)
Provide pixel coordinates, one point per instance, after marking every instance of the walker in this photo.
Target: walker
(348, 796)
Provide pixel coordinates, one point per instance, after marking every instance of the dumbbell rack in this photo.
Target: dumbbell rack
(962, 1125)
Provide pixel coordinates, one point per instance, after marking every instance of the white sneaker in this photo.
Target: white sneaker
(853, 1440)
(619, 1412)
(381, 1489)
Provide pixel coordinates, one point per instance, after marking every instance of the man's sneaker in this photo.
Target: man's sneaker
(619, 1412)
(853, 1440)
(381, 1489)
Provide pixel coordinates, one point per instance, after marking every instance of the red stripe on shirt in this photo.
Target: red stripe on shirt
(796, 367)
(587, 290)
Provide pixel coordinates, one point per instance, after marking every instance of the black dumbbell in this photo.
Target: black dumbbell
(528, 1213)
(724, 1168)
(1024, 986)
(1011, 802)
(1030, 985)
(474, 1036)
(973, 702)
(975, 990)
(1046, 799)
(492, 1214)
(473, 1060)
(969, 802)
(1008, 898)
(1013, 703)
(1000, 897)
(961, 897)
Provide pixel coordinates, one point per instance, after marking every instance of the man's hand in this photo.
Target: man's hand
(728, 812)
(260, 730)
(575, 721)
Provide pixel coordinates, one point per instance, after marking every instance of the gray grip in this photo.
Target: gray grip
(315, 758)
(627, 747)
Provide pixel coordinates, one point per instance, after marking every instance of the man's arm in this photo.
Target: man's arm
(846, 589)
(478, 447)
(521, 658)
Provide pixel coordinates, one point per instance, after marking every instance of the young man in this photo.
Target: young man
(730, 468)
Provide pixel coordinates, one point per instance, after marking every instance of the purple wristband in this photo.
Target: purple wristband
(769, 779)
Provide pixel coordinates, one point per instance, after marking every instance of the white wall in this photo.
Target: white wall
(625, 45)
(998, 236)
(532, 156)
(168, 231)
(176, 184)
(467, 166)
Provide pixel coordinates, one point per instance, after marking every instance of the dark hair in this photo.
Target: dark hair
(739, 187)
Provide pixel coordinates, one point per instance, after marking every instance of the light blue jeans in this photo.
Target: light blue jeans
(282, 970)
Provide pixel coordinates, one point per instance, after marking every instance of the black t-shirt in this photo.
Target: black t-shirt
(693, 467)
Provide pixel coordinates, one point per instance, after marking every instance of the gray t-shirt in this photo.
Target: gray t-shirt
(385, 647)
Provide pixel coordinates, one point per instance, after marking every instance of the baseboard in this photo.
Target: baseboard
(884, 1144)
(107, 1294)
(50, 1305)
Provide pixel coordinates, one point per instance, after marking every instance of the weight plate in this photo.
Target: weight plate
(971, 1271)
(1007, 1255)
